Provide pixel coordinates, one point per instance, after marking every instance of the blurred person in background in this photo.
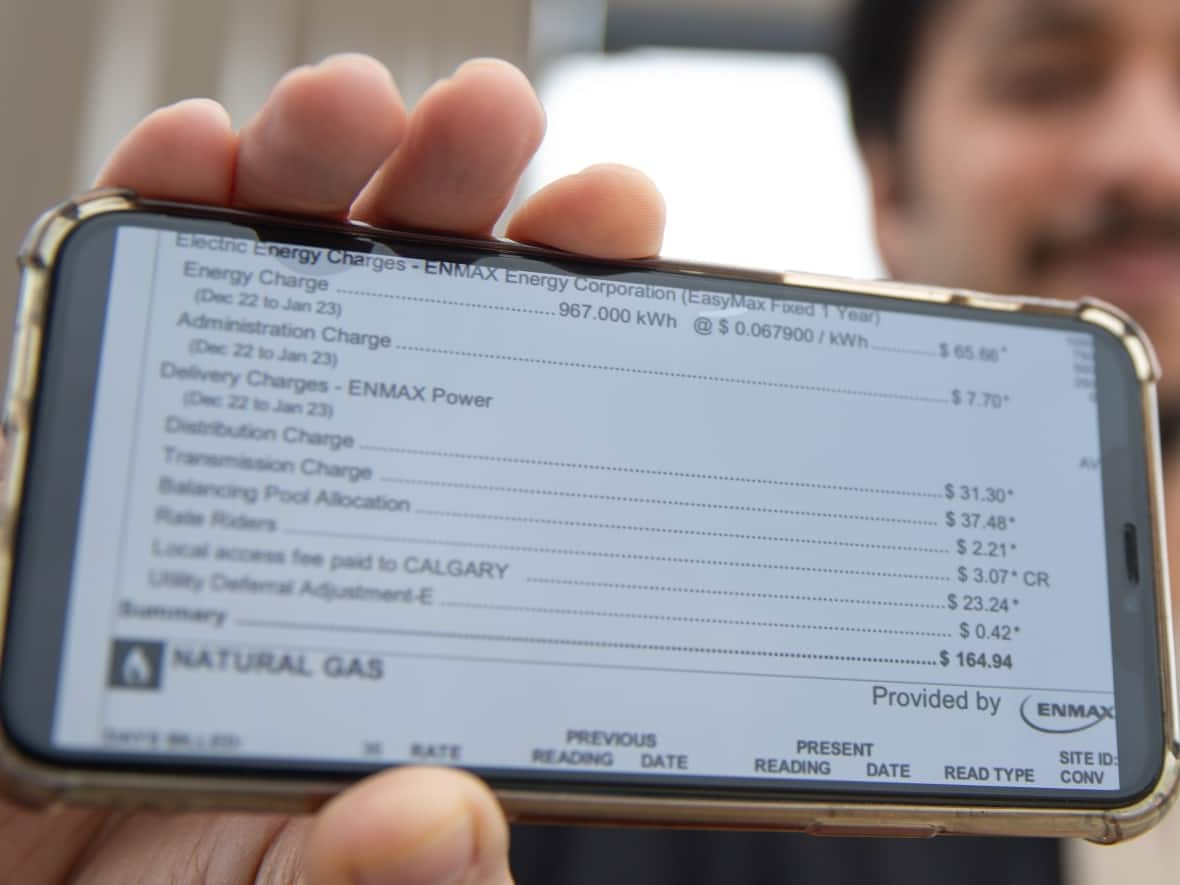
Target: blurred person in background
(1016, 146)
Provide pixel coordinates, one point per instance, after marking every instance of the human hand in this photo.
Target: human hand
(335, 141)
(409, 826)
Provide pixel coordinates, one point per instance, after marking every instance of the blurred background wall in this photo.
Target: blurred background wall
(732, 106)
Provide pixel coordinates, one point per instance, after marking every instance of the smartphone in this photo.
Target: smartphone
(638, 542)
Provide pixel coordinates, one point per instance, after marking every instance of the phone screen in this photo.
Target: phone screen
(347, 505)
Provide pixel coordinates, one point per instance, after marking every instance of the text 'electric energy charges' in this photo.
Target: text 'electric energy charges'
(507, 516)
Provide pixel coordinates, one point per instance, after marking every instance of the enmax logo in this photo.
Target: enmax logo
(1063, 717)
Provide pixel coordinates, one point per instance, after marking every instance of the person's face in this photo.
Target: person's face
(1039, 153)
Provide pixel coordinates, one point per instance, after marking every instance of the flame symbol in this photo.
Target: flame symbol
(137, 669)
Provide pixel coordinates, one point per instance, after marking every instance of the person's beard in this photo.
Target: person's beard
(1113, 222)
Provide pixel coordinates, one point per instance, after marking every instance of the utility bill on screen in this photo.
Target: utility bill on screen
(549, 528)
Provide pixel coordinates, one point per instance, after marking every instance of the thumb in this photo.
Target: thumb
(411, 826)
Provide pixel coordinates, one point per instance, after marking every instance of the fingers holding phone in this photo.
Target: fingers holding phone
(185, 152)
(468, 142)
(412, 826)
(319, 137)
(337, 135)
(422, 826)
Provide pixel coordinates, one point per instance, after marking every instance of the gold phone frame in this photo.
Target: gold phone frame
(32, 781)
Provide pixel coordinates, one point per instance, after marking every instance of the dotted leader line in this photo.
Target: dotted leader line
(593, 643)
(504, 517)
(670, 502)
(911, 351)
(644, 616)
(605, 554)
(750, 594)
(548, 313)
(663, 373)
(575, 465)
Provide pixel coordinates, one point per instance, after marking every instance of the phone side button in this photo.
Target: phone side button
(865, 830)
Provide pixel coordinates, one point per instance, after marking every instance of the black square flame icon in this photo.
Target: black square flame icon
(137, 664)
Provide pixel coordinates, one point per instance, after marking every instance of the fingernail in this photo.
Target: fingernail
(355, 59)
(485, 62)
(445, 858)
